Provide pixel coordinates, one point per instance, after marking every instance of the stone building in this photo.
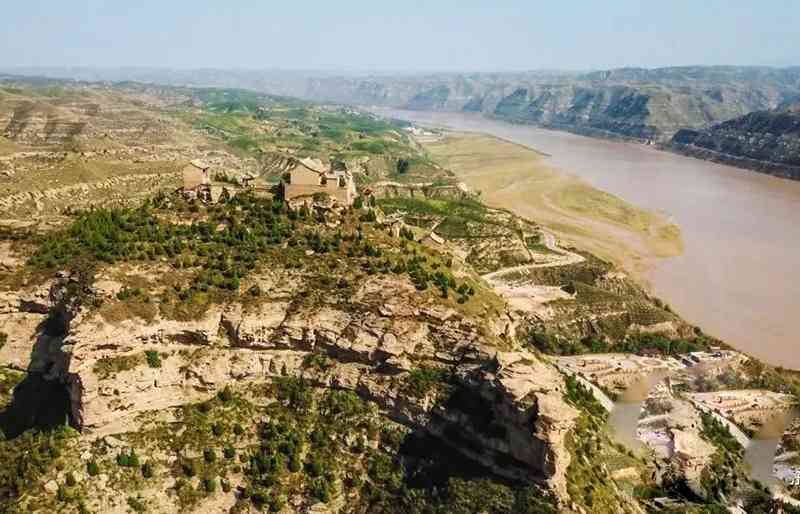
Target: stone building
(309, 177)
(196, 182)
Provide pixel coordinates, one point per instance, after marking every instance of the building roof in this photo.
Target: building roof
(200, 165)
(314, 165)
(194, 175)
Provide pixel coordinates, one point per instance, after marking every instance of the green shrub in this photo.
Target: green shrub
(136, 504)
(133, 459)
(580, 396)
(315, 467)
(277, 502)
(128, 460)
(70, 479)
(294, 393)
(189, 468)
(420, 382)
(153, 358)
(225, 395)
(92, 468)
(209, 455)
(321, 489)
(147, 470)
(402, 166)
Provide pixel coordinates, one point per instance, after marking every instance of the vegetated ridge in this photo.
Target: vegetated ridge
(766, 141)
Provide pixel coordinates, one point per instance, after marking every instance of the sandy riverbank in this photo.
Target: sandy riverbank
(517, 178)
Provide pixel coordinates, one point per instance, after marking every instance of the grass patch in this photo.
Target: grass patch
(107, 367)
(422, 381)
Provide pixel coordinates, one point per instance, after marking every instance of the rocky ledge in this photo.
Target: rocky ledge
(502, 408)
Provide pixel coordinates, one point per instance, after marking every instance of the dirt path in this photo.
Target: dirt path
(549, 240)
(524, 296)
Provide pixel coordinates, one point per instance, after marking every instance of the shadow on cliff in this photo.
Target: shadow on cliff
(457, 447)
(38, 402)
(429, 463)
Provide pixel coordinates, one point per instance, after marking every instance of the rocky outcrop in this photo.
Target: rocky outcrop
(23, 315)
(617, 111)
(421, 190)
(504, 410)
(765, 141)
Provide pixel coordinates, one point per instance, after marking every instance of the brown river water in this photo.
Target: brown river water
(739, 275)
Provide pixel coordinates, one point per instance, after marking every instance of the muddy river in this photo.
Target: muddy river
(739, 275)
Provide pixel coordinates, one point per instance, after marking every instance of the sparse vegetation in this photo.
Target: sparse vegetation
(108, 366)
(719, 477)
(422, 381)
(578, 395)
(26, 459)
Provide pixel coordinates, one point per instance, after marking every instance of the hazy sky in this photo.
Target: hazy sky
(399, 34)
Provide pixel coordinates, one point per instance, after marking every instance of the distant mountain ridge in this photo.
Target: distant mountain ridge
(635, 103)
(679, 108)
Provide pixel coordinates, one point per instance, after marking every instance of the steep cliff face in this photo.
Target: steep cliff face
(617, 111)
(765, 141)
(371, 345)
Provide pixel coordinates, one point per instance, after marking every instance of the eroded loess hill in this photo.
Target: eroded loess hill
(163, 354)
